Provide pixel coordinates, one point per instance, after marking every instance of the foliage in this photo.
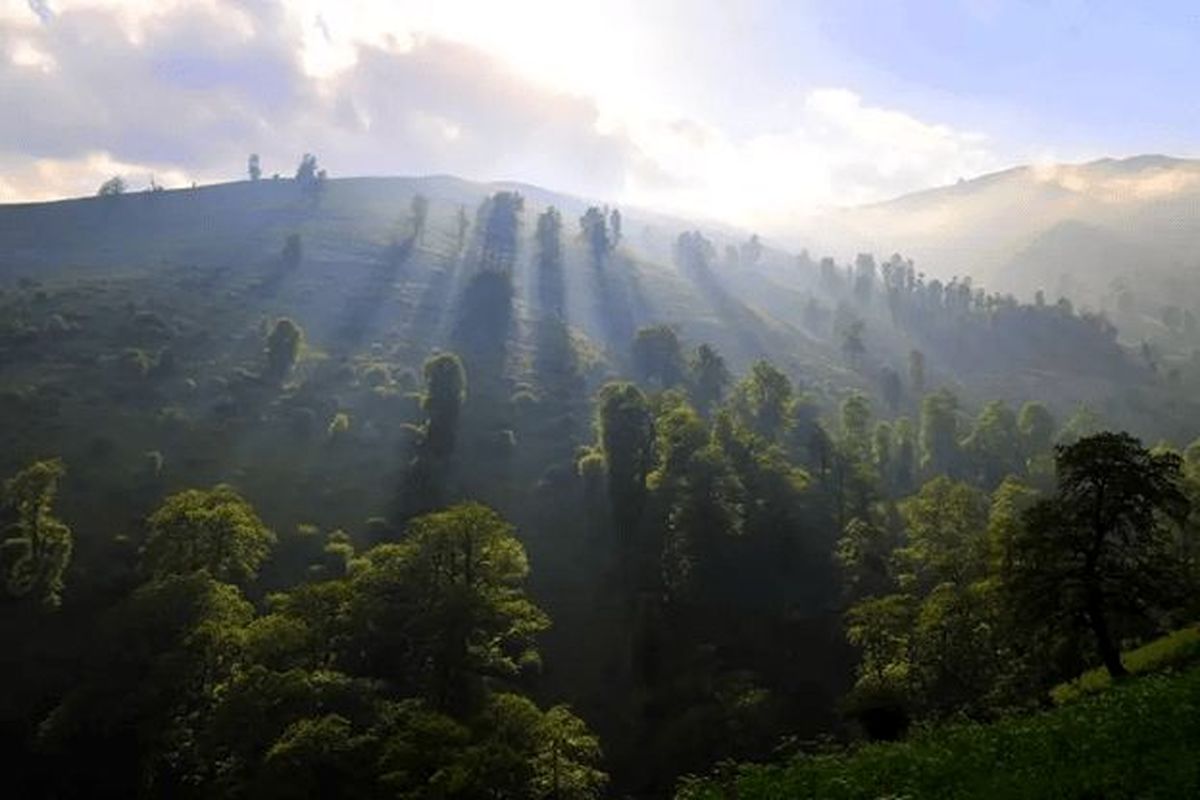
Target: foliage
(216, 531)
(1176, 650)
(35, 546)
(1132, 742)
(1105, 544)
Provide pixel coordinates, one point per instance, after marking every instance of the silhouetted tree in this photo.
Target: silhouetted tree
(658, 356)
(1104, 544)
(283, 348)
(445, 393)
(253, 167)
(293, 251)
(709, 378)
(112, 187)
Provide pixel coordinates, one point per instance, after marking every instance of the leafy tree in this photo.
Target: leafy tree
(701, 499)
(35, 546)
(593, 225)
(283, 348)
(626, 432)
(762, 400)
(1036, 425)
(994, 446)
(856, 425)
(709, 378)
(939, 433)
(253, 167)
(944, 523)
(549, 236)
(445, 393)
(214, 530)
(112, 187)
(446, 607)
(306, 170)
(1103, 545)
(658, 356)
(131, 725)
(501, 219)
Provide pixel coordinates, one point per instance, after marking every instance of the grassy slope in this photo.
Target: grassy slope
(1139, 740)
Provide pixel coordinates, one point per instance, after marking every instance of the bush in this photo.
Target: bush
(1175, 650)
(1137, 741)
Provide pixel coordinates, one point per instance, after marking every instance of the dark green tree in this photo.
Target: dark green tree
(626, 432)
(762, 400)
(283, 348)
(658, 357)
(445, 393)
(709, 378)
(1105, 543)
(35, 546)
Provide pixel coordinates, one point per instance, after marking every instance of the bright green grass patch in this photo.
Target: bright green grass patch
(1139, 740)
(1177, 649)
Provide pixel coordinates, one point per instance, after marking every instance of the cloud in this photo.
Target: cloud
(185, 90)
(837, 151)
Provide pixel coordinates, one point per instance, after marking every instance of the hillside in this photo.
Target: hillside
(1135, 741)
(1077, 229)
(351, 286)
(413, 472)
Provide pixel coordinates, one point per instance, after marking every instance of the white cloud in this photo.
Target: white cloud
(838, 151)
(543, 91)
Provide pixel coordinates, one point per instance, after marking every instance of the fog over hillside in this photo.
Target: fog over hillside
(1084, 230)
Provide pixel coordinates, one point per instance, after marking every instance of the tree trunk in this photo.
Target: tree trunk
(1109, 653)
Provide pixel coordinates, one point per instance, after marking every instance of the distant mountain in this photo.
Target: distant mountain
(1079, 229)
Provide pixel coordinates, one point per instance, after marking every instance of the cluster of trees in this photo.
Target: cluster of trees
(977, 602)
(725, 555)
(399, 673)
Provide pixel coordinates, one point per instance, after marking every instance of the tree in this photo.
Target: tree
(658, 356)
(446, 608)
(293, 251)
(419, 209)
(1104, 543)
(283, 348)
(214, 530)
(856, 421)
(253, 167)
(709, 378)
(306, 170)
(939, 433)
(626, 429)
(112, 187)
(1036, 425)
(445, 393)
(593, 225)
(994, 446)
(762, 400)
(944, 523)
(35, 546)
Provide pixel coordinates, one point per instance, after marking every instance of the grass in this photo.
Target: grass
(1175, 650)
(1138, 740)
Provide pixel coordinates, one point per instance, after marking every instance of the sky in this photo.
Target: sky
(755, 112)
